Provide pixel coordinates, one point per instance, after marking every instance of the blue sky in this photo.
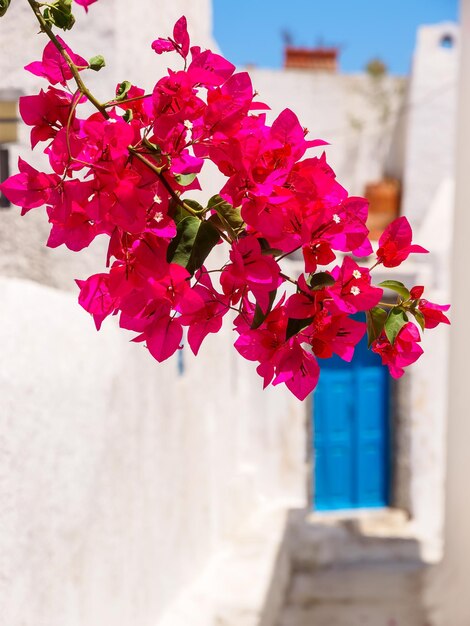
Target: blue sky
(250, 31)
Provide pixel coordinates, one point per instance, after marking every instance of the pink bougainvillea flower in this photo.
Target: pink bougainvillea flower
(280, 361)
(416, 292)
(317, 252)
(85, 3)
(163, 45)
(95, 298)
(205, 315)
(261, 344)
(64, 149)
(298, 369)
(287, 130)
(163, 338)
(306, 303)
(47, 112)
(179, 43)
(395, 243)
(433, 313)
(404, 351)
(174, 286)
(125, 173)
(315, 184)
(139, 104)
(228, 104)
(250, 268)
(336, 334)
(53, 66)
(352, 290)
(76, 232)
(209, 69)
(107, 139)
(29, 189)
(348, 231)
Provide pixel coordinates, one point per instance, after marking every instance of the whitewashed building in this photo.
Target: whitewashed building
(139, 494)
(370, 566)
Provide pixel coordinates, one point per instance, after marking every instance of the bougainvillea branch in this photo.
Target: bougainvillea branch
(64, 52)
(126, 172)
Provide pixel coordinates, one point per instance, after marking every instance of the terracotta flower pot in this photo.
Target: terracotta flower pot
(384, 204)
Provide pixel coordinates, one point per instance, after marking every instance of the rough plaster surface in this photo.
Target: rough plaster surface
(119, 478)
(345, 111)
(448, 584)
(124, 486)
(430, 118)
(245, 583)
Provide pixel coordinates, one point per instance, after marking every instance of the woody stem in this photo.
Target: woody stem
(73, 68)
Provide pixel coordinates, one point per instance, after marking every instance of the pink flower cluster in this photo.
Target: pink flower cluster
(125, 172)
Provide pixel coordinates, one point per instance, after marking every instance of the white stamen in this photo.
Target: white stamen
(357, 274)
(112, 120)
(157, 199)
(158, 216)
(336, 218)
(355, 291)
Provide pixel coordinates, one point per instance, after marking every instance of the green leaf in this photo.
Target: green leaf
(128, 116)
(122, 89)
(222, 225)
(207, 238)
(229, 214)
(97, 62)
(395, 321)
(181, 246)
(295, 326)
(176, 212)
(419, 317)
(152, 146)
(320, 281)
(60, 14)
(216, 200)
(4, 4)
(259, 315)
(396, 286)
(192, 244)
(194, 205)
(375, 319)
(272, 251)
(185, 179)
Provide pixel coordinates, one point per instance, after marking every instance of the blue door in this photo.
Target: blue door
(350, 433)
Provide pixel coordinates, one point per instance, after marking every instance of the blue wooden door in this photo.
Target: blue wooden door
(350, 433)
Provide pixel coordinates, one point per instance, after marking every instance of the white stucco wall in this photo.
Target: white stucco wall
(344, 110)
(431, 108)
(121, 481)
(447, 587)
(428, 202)
(118, 477)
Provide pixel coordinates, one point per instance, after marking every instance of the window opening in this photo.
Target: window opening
(446, 41)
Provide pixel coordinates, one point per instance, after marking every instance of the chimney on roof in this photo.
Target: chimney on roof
(317, 59)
